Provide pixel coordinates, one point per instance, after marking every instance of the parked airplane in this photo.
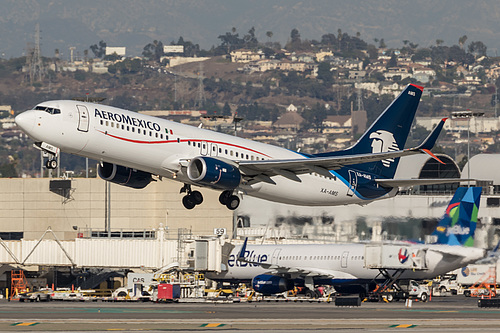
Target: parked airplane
(132, 147)
(355, 268)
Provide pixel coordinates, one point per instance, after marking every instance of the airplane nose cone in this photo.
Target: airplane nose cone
(25, 121)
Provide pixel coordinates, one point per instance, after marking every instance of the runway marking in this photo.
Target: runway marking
(403, 326)
(212, 325)
(25, 324)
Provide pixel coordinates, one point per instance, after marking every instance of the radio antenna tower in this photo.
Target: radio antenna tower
(200, 98)
(35, 65)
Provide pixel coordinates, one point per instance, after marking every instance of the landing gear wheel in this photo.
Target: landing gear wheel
(196, 197)
(310, 294)
(188, 203)
(233, 202)
(51, 164)
(224, 197)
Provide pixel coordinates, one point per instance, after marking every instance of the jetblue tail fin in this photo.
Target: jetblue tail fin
(458, 224)
(388, 133)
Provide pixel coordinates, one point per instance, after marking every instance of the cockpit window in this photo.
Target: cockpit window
(48, 109)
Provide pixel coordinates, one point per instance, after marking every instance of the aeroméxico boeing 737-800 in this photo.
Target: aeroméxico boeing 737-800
(133, 149)
(355, 268)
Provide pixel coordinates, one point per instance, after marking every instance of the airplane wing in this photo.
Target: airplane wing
(257, 171)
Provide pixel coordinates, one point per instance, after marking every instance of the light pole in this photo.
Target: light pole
(461, 115)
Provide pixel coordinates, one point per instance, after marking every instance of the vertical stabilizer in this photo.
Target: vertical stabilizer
(388, 133)
(458, 225)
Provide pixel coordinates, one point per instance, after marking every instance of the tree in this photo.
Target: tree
(226, 110)
(478, 49)
(99, 50)
(295, 36)
(381, 44)
(324, 72)
(462, 40)
(153, 51)
(269, 35)
(250, 39)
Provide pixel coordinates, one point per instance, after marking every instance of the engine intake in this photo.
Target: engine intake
(271, 284)
(123, 175)
(213, 172)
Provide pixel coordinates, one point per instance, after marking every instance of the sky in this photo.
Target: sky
(132, 23)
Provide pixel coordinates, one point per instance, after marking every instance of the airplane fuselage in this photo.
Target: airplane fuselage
(347, 263)
(159, 146)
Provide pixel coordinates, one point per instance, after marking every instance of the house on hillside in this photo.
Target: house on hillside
(244, 56)
(289, 121)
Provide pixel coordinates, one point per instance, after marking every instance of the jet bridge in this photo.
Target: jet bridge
(392, 261)
(389, 256)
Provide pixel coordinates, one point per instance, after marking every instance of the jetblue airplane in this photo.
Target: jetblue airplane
(355, 268)
(135, 149)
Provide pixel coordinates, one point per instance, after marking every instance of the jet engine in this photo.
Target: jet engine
(271, 284)
(213, 172)
(123, 175)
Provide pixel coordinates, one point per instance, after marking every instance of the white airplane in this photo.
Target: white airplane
(355, 268)
(132, 148)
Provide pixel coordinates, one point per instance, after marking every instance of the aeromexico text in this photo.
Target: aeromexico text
(126, 119)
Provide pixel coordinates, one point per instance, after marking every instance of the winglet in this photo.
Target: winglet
(241, 254)
(432, 137)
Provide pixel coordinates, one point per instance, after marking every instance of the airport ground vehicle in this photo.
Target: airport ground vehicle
(448, 284)
(408, 289)
(479, 279)
(43, 295)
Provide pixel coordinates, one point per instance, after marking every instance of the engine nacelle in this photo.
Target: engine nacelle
(213, 172)
(271, 284)
(124, 176)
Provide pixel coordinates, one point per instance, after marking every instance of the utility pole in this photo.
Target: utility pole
(200, 98)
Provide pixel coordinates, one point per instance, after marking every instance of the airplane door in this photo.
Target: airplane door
(274, 258)
(83, 118)
(353, 183)
(343, 262)
(213, 149)
(204, 148)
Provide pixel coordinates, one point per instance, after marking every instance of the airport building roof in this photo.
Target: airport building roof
(423, 166)
(484, 167)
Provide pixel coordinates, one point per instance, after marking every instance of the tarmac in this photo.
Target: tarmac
(453, 314)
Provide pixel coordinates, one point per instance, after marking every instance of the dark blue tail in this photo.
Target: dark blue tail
(388, 133)
(458, 224)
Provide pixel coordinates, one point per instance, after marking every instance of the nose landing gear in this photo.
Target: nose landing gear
(51, 164)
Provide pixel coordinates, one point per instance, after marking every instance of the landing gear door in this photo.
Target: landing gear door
(83, 118)
(353, 183)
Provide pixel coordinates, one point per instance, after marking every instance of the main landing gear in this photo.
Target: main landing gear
(230, 200)
(192, 198)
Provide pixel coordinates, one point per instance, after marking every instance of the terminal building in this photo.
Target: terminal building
(87, 223)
